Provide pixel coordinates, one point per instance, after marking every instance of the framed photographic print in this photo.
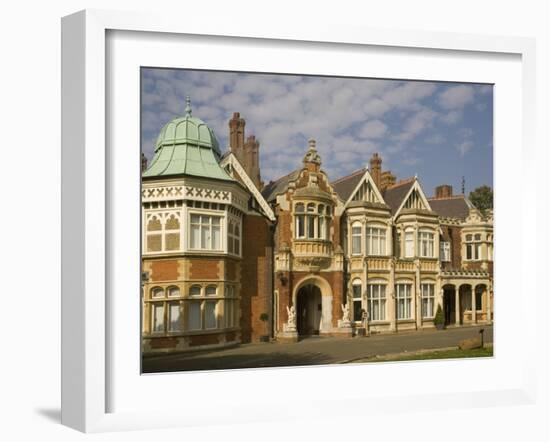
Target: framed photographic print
(290, 222)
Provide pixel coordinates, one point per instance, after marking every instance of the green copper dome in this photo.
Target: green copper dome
(187, 146)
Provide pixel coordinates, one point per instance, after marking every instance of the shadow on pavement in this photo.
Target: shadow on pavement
(225, 362)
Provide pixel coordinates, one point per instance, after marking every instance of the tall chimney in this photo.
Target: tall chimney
(236, 134)
(444, 191)
(252, 160)
(376, 169)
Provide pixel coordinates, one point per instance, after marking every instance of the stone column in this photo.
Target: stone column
(457, 305)
(417, 303)
(488, 300)
(391, 298)
(473, 297)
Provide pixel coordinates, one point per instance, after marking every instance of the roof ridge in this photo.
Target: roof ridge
(452, 197)
(401, 183)
(282, 178)
(357, 172)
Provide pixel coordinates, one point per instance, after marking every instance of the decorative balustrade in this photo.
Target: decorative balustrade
(404, 266)
(312, 248)
(429, 266)
(378, 263)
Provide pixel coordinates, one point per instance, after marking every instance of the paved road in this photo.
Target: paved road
(311, 351)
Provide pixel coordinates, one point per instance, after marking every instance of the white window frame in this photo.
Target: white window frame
(409, 243)
(426, 238)
(473, 246)
(220, 215)
(429, 295)
(403, 292)
(376, 236)
(445, 251)
(356, 225)
(375, 290)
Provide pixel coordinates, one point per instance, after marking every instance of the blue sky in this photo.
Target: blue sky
(438, 131)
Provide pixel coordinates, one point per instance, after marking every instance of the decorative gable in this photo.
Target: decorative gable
(415, 199)
(366, 191)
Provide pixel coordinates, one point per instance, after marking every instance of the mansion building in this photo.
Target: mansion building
(227, 259)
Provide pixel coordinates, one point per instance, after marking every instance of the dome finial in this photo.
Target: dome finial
(187, 106)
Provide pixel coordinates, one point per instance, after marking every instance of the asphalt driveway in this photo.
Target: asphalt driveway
(311, 351)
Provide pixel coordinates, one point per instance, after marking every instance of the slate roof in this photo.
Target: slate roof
(345, 186)
(394, 195)
(271, 190)
(457, 206)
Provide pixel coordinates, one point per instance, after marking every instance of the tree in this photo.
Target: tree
(482, 198)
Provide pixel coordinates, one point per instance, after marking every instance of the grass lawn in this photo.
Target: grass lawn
(487, 351)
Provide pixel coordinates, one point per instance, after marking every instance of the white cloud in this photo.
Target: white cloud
(456, 97)
(452, 117)
(373, 129)
(464, 147)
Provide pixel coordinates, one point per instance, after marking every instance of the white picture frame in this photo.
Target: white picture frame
(90, 372)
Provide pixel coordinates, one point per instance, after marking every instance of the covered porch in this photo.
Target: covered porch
(467, 298)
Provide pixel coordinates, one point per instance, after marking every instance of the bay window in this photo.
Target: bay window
(311, 221)
(426, 244)
(376, 241)
(205, 232)
(473, 247)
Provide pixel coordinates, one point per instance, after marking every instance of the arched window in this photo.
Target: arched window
(356, 238)
(157, 292)
(195, 290)
(173, 292)
(211, 290)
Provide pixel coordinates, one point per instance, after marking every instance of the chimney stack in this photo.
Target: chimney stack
(376, 169)
(444, 191)
(236, 133)
(247, 152)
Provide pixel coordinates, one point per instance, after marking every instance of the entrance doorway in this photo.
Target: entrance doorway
(309, 310)
(449, 305)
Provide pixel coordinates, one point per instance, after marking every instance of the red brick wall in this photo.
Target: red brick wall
(204, 268)
(256, 277)
(164, 270)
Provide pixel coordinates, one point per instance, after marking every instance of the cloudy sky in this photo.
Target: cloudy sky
(438, 131)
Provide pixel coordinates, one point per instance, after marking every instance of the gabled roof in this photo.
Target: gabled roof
(345, 186)
(274, 188)
(239, 169)
(457, 206)
(395, 195)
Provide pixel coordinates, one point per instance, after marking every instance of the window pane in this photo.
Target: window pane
(311, 227)
(194, 316)
(216, 237)
(195, 290)
(173, 291)
(154, 243)
(210, 314)
(172, 241)
(174, 317)
(158, 318)
(211, 290)
(300, 226)
(195, 236)
(157, 292)
(356, 289)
